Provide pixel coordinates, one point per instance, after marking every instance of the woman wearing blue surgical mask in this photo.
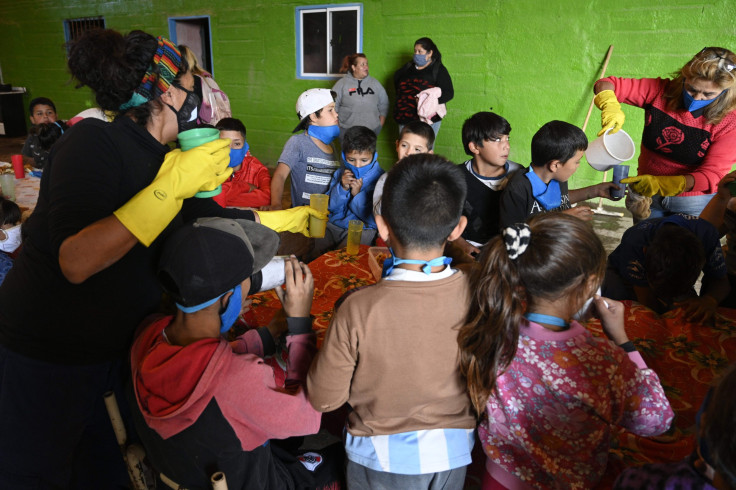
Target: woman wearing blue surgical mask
(689, 139)
(423, 87)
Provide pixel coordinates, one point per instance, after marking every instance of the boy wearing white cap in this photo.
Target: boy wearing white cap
(309, 157)
(203, 404)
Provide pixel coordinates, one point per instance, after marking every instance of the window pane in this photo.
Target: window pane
(344, 25)
(314, 42)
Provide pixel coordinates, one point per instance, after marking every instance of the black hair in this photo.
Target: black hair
(429, 45)
(423, 200)
(360, 139)
(113, 65)
(49, 133)
(562, 254)
(673, 261)
(40, 101)
(420, 128)
(717, 429)
(231, 124)
(557, 140)
(483, 126)
(9, 212)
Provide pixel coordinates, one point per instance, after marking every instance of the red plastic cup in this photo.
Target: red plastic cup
(20, 172)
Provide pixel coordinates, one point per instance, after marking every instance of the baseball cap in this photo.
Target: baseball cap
(205, 259)
(311, 101)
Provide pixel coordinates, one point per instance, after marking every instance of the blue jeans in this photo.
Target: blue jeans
(665, 206)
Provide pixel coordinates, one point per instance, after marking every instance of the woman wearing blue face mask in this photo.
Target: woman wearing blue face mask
(423, 87)
(689, 139)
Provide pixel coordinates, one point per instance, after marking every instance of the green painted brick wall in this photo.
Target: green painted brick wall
(531, 60)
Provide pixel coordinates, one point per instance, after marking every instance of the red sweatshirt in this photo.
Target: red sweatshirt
(677, 143)
(236, 190)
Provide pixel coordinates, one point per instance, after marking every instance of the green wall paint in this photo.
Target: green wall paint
(531, 60)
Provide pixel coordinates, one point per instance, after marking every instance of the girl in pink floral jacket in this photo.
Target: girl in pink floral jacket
(547, 391)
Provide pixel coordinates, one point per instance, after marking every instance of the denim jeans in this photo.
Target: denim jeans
(665, 206)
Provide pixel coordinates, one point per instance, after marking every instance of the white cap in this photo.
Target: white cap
(313, 100)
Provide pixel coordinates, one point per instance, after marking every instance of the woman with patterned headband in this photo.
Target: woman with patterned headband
(689, 140)
(86, 277)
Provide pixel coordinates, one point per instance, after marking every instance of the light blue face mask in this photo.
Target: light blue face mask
(392, 261)
(548, 195)
(229, 315)
(359, 172)
(232, 311)
(326, 134)
(237, 155)
(420, 59)
(693, 105)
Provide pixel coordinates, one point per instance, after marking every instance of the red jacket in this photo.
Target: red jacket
(236, 191)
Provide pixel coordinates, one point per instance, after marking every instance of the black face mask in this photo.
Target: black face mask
(186, 116)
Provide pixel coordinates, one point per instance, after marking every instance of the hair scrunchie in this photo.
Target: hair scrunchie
(517, 237)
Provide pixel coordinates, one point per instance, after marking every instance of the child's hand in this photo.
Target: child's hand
(347, 179)
(581, 212)
(723, 190)
(297, 299)
(466, 247)
(355, 186)
(611, 314)
(699, 310)
(604, 189)
(277, 326)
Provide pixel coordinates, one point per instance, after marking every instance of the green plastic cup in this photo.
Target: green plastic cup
(193, 138)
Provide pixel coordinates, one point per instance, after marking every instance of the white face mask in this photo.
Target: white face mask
(586, 312)
(12, 239)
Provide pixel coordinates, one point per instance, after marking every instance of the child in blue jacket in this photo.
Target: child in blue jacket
(351, 191)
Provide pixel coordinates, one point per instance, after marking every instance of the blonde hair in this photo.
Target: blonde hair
(188, 54)
(712, 64)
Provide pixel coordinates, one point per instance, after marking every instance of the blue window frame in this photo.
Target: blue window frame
(325, 34)
(195, 33)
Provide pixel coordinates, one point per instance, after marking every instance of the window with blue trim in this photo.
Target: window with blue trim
(325, 34)
(74, 28)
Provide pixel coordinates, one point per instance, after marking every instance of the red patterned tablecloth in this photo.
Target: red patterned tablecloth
(26, 191)
(687, 357)
(334, 273)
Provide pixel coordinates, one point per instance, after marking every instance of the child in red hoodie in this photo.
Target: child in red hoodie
(203, 404)
(250, 184)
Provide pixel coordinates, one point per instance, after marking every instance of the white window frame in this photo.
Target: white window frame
(300, 11)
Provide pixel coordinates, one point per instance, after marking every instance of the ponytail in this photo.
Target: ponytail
(488, 339)
(550, 258)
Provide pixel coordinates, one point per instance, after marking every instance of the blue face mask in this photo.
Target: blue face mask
(420, 59)
(237, 155)
(393, 261)
(548, 195)
(232, 311)
(693, 105)
(359, 172)
(326, 134)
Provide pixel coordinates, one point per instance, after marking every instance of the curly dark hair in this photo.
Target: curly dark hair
(111, 64)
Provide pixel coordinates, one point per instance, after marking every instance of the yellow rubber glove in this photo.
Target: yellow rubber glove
(295, 220)
(650, 185)
(182, 174)
(611, 114)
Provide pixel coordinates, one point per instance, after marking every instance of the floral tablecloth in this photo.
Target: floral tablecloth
(334, 273)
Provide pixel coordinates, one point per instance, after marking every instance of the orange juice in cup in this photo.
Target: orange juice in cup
(318, 202)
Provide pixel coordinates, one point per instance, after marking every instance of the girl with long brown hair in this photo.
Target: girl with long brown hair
(546, 390)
